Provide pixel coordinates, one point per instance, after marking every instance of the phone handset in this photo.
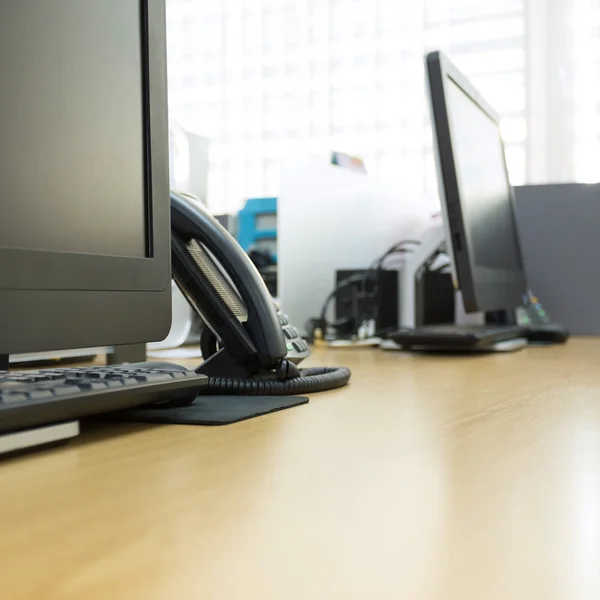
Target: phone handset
(249, 335)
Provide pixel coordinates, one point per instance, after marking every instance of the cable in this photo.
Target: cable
(443, 267)
(285, 379)
(354, 279)
(309, 381)
(397, 248)
(378, 264)
(364, 308)
(377, 268)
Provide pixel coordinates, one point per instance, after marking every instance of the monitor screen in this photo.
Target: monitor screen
(71, 118)
(485, 192)
(475, 192)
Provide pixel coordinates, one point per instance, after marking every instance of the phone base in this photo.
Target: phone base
(222, 364)
(211, 410)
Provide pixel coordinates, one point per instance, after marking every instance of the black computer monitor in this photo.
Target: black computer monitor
(84, 186)
(475, 192)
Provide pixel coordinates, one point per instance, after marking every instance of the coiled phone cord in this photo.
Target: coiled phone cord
(306, 381)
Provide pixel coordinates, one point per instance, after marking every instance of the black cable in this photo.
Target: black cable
(433, 258)
(377, 268)
(365, 300)
(353, 279)
(397, 248)
(310, 381)
(365, 304)
(285, 379)
(378, 264)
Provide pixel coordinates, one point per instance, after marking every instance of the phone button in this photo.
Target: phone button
(290, 333)
(299, 345)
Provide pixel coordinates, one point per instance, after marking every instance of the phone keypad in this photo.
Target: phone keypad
(290, 332)
(297, 348)
(300, 345)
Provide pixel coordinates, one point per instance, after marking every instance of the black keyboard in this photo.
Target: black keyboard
(458, 336)
(33, 398)
(547, 333)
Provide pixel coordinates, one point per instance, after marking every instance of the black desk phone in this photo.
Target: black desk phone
(247, 344)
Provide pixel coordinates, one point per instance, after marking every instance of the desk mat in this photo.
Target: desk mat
(211, 410)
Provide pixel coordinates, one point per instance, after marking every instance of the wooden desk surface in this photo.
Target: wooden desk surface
(427, 478)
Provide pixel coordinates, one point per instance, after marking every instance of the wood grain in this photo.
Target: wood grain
(427, 478)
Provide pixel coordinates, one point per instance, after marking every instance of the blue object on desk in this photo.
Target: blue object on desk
(257, 224)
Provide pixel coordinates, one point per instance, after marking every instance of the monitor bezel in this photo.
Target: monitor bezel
(24, 269)
(60, 301)
(482, 288)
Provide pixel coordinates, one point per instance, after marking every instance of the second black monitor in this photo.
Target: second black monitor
(475, 192)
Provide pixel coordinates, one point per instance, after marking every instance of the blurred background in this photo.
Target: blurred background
(269, 79)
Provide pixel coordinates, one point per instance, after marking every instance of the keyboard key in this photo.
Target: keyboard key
(177, 374)
(21, 379)
(151, 377)
(65, 390)
(49, 376)
(9, 383)
(40, 394)
(128, 381)
(91, 385)
(10, 397)
(113, 383)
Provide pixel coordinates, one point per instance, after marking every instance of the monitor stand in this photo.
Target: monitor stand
(504, 346)
(128, 353)
(501, 317)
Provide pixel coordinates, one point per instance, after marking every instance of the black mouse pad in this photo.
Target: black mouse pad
(211, 410)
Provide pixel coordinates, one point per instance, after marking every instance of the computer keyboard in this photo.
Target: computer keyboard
(34, 398)
(467, 329)
(459, 336)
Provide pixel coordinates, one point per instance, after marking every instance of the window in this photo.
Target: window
(262, 78)
(486, 41)
(585, 60)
